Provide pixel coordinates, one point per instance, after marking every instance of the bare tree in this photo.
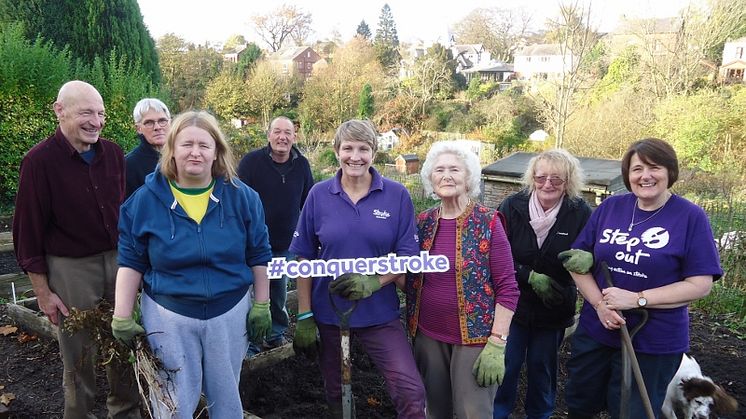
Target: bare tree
(499, 30)
(286, 21)
(675, 57)
(575, 40)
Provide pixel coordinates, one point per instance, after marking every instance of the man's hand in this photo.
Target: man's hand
(546, 288)
(125, 329)
(489, 368)
(49, 303)
(354, 286)
(306, 340)
(576, 260)
(259, 322)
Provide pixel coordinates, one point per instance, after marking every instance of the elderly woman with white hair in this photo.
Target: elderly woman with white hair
(542, 220)
(460, 318)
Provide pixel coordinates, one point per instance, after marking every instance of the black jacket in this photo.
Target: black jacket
(282, 194)
(141, 161)
(527, 256)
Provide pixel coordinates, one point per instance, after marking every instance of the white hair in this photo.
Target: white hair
(466, 156)
(147, 104)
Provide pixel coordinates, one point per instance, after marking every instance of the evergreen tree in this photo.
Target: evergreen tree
(88, 28)
(387, 41)
(365, 104)
(363, 30)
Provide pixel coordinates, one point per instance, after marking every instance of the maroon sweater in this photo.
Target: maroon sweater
(66, 207)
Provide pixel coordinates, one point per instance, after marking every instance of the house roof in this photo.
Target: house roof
(493, 67)
(735, 65)
(462, 48)
(409, 157)
(631, 26)
(600, 173)
(289, 53)
(539, 49)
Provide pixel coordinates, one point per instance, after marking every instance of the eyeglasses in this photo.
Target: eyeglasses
(151, 124)
(554, 181)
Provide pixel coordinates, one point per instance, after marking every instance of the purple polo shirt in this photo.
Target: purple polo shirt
(332, 227)
(660, 249)
(65, 206)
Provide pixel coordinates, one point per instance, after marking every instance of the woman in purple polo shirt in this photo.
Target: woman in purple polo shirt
(357, 214)
(661, 255)
(460, 318)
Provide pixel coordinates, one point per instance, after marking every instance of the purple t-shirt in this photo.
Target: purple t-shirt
(663, 248)
(332, 227)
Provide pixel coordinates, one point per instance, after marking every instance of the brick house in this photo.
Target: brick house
(298, 60)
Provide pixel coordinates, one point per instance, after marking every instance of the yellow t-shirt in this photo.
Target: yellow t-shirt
(193, 200)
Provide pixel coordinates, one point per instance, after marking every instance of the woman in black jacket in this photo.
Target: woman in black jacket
(542, 220)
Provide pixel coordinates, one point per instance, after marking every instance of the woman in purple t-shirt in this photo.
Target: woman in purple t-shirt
(460, 318)
(661, 256)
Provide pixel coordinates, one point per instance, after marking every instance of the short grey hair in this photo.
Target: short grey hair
(149, 103)
(467, 157)
(561, 160)
(357, 130)
(280, 118)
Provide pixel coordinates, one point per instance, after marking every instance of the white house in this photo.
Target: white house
(734, 60)
(387, 140)
(541, 61)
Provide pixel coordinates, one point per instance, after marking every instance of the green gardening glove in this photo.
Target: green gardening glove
(576, 260)
(546, 288)
(489, 368)
(125, 329)
(259, 322)
(355, 286)
(306, 340)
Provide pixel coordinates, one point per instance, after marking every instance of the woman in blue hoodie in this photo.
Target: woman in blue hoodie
(194, 237)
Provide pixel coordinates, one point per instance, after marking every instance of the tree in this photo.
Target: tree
(89, 28)
(365, 104)
(286, 21)
(575, 42)
(265, 91)
(225, 97)
(675, 66)
(233, 42)
(247, 59)
(363, 30)
(432, 77)
(386, 42)
(332, 96)
(499, 30)
(187, 70)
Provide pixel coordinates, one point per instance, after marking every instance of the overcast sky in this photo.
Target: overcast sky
(213, 21)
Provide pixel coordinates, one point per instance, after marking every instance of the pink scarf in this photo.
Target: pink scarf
(542, 221)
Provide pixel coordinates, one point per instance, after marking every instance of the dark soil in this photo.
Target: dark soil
(293, 388)
(8, 263)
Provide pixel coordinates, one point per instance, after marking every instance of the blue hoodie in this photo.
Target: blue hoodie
(196, 270)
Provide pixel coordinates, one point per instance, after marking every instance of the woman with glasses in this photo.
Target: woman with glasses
(542, 221)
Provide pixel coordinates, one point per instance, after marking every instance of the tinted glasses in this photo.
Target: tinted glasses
(553, 180)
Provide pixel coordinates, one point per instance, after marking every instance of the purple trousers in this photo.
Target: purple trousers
(389, 349)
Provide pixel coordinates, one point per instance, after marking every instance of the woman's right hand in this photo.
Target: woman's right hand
(306, 339)
(609, 318)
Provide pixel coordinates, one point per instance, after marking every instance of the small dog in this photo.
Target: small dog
(691, 395)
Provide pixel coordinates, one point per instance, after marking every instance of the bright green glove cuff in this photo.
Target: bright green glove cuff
(305, 341)
(489, 368)
(576, 260)
(259, 321)
(355, 286)
(125, 329)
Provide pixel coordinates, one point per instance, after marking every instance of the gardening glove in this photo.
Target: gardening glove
(355, 286)
(546, 288)
(259, 322)
(125, 329)
(306, 341)
(576, 260)
(489, 368)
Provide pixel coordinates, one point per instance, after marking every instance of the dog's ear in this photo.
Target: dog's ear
(694, 387)
(724, 403)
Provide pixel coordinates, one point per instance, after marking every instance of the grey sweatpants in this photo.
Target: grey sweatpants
(202, 355)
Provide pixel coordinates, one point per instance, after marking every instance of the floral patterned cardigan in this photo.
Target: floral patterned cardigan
(475, 289)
